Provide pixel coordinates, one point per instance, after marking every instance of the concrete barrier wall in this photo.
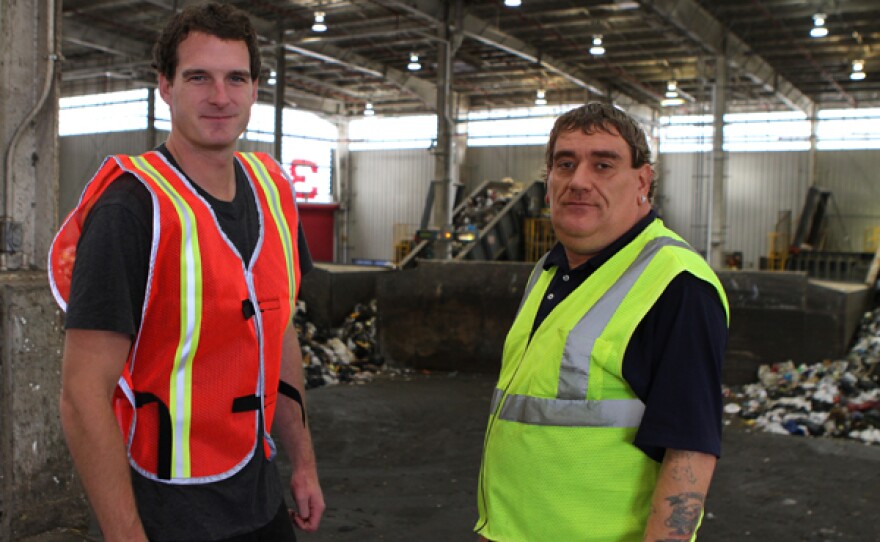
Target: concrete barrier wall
(39, 490)
(455, 315)
(450, 316)
(331, 291)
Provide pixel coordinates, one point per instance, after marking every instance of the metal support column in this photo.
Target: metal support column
(814, 154)
(151, 118)
(717, 219)
(342, 192)
(280, 86)
(443, 152)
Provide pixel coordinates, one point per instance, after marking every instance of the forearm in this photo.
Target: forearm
(98, 452)
(679, 496)
(293, 431)
(92, 432)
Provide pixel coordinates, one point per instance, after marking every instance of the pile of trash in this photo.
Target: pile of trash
(830, 399)
(349, 353)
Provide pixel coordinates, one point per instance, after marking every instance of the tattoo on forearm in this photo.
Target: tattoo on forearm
(686, 509)
(681, 469)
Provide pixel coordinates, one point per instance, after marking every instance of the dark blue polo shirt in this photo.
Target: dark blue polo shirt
(673, 360)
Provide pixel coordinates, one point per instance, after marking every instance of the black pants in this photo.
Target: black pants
(280, 529)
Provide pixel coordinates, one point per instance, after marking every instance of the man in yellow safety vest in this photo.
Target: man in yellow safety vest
(605, 424)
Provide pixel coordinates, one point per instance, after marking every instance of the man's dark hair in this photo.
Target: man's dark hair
(219, 20)
(599, 117)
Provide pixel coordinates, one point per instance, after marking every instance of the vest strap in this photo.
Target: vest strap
(247, 403)
(572, 412)
(286, 389)
(247, 309)
(163, 449)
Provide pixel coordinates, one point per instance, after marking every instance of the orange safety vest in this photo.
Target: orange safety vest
(204, 368)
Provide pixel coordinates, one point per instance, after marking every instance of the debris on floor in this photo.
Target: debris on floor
(349, 353)
(838, 398)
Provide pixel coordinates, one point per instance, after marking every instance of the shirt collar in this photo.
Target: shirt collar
(557, 257)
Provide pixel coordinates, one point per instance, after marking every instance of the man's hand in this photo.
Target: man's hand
(309, 499)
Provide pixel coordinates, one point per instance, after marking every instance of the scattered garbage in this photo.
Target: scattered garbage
(349, 353)
(839, 398)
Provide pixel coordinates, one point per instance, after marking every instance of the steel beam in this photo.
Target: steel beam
(702, 27)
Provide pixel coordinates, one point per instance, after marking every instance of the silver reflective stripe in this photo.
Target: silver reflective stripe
(496, 398)
(533, 279)
(571, 412)
(570, 407)
(574, 371)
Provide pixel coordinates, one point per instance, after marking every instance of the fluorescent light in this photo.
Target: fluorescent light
(368, 110)
(513, 3)
(413, 65)
(819, 30)
(319, 25)
(272, 78)
(672, 89)
(597, 48)
(540, 97)
(858, 70)
(671, 102)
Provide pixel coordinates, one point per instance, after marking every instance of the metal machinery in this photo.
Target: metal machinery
(488, 225)
(806, 251)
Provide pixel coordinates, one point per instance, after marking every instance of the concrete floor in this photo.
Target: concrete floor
(399, 457)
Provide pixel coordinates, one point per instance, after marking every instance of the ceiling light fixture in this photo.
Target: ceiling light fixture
(413, 65)
(671, 102)
(540, 97)
(819, 30)
(513, 3)
(858, 70)
(597, 49)
(319, 24)
(368, 110)
(272, 78)
(672, 89)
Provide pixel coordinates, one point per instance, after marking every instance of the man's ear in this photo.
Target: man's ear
(547, 188)
(646, 176)
(165, 89)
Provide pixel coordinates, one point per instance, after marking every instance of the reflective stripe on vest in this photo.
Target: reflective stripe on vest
(570, 407)
(180, 396)
(274, 199)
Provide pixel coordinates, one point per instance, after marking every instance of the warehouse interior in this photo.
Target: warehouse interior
(414, 132)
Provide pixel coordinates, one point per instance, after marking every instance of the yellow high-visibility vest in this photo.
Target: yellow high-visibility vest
(558, 460)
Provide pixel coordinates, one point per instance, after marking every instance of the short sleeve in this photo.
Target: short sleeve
(112, 261)
(673, 363)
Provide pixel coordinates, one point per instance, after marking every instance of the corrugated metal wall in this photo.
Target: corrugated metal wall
(854, 180)
(389, 187)
(759, 187)
(523, 163)
(82, 155)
